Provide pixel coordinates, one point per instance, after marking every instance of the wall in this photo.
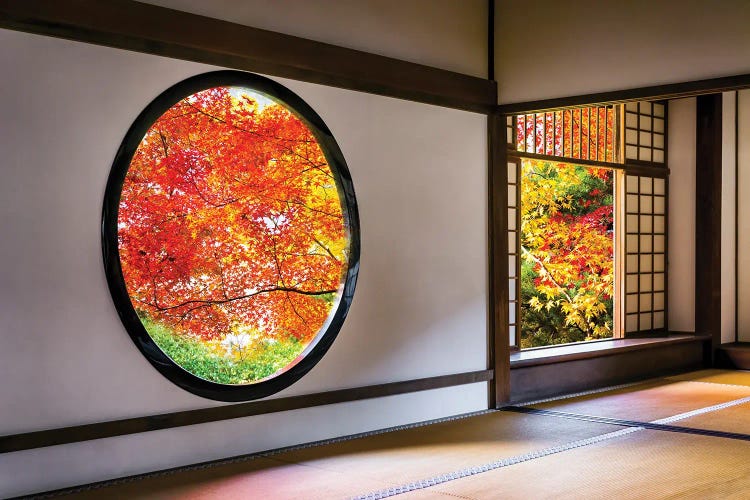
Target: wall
(728, 231)
(681, 216)
(682, 220)
(743, 219)
(547, 48)
(420, 307)
(447, 34)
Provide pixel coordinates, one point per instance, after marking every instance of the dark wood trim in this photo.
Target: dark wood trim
(497, 240)
(648, 170)
(655, 92)
(708, 218)
(498, 298)
(101, 430)
(659, 333)
(666, 218)
(630, 168)
(598, 348)
(140, 27)
(491, 40)
(563, 159)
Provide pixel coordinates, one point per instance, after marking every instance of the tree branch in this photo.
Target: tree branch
(204, 302)
(547, 272)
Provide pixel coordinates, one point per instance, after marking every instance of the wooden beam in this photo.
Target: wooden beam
(655, 92)
(140, 27)
(113, 428)
(491, 40)
(708, 219)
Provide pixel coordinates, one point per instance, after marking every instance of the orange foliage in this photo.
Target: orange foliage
(230, 219)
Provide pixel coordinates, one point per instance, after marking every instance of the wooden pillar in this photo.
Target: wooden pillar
(708, 220)
(498, 348)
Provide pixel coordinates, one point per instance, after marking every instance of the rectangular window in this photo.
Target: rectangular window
(587, 223)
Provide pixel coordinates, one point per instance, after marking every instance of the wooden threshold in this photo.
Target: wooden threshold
(549, 372)
(586, 350)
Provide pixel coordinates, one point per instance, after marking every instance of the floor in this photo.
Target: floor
(686, 436)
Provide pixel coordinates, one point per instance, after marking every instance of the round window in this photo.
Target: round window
(231, 237)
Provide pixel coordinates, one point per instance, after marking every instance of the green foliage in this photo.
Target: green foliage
(545, 326)
(567, 271)
(199, 359)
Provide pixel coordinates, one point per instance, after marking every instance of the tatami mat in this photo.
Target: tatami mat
(650, 401)
(731, 377)
(643, 464)
(413, 454)
(260, 478)
(735, 420)
(532, 450)
(366, 464)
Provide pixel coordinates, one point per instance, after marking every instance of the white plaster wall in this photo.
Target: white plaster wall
(743, 219)
(447, 34)
(681, 256)
(551, 48)
(420, 307)
(728, 240)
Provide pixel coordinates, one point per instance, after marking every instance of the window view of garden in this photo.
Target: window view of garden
(567, 253)
(232, 239)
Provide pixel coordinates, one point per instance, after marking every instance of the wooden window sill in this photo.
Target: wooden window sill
(595, 349)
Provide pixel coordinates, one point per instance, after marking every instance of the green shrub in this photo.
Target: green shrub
(197, 358)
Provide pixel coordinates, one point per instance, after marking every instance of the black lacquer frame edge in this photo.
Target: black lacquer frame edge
(122, 302)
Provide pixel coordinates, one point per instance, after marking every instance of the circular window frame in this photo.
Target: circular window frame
(110, 249)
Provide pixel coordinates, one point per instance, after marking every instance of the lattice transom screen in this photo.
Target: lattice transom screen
(645, 253)
(588, 133)
(645, 132)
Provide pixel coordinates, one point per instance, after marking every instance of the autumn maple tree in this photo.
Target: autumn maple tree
(567, 252)
(231, 233)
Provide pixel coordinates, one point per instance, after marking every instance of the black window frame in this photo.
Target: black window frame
(112, 266)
